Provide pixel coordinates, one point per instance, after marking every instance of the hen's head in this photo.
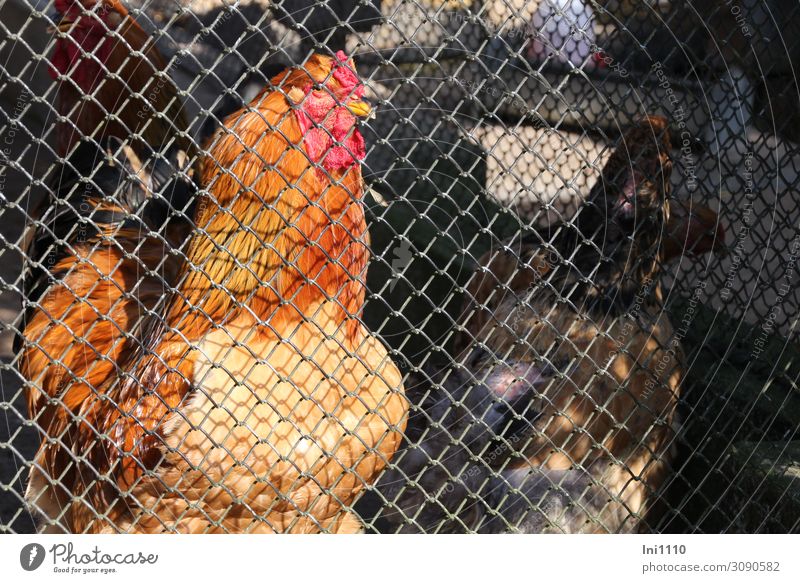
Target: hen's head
(631, 197)
(327, 96)
(626, 213)
(87, 25)
(638, 173)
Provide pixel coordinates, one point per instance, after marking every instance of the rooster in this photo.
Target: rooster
(100, 252)
(565, 334)
(113, 82)
(98, 263)
(257, 401)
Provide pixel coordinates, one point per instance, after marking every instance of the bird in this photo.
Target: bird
(112, 79)
(255, 400)
(585, 298)
(104, 246)
(462, 427)
(557, 412)
(97, 262)
(456, 473)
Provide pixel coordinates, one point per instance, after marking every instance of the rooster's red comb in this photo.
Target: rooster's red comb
(345, 76)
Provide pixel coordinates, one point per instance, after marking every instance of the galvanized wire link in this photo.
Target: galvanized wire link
(560, 375)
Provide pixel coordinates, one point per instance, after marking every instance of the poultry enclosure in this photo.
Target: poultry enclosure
(495, 118)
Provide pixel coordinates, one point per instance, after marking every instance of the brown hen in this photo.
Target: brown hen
(584, 302)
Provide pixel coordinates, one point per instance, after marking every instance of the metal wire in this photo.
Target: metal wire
(494, 122)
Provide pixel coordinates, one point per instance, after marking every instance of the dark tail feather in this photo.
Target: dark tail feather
(98, 189)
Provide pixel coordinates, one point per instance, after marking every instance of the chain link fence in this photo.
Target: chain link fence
(199, 335)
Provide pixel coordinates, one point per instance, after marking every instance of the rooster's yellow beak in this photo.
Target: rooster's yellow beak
(359, 108)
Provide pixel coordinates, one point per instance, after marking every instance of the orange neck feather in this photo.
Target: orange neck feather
(276, 236)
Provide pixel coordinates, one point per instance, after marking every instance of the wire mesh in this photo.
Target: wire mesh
(193, 340)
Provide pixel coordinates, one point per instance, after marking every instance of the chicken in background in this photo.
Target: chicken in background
(113, 82)
(585, 298)
(568, 345)
(257, 401)
(100, 252)
(455, 472)
(690, 229)
(461, 428)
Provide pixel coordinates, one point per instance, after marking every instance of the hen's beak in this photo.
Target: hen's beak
(359, 108)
